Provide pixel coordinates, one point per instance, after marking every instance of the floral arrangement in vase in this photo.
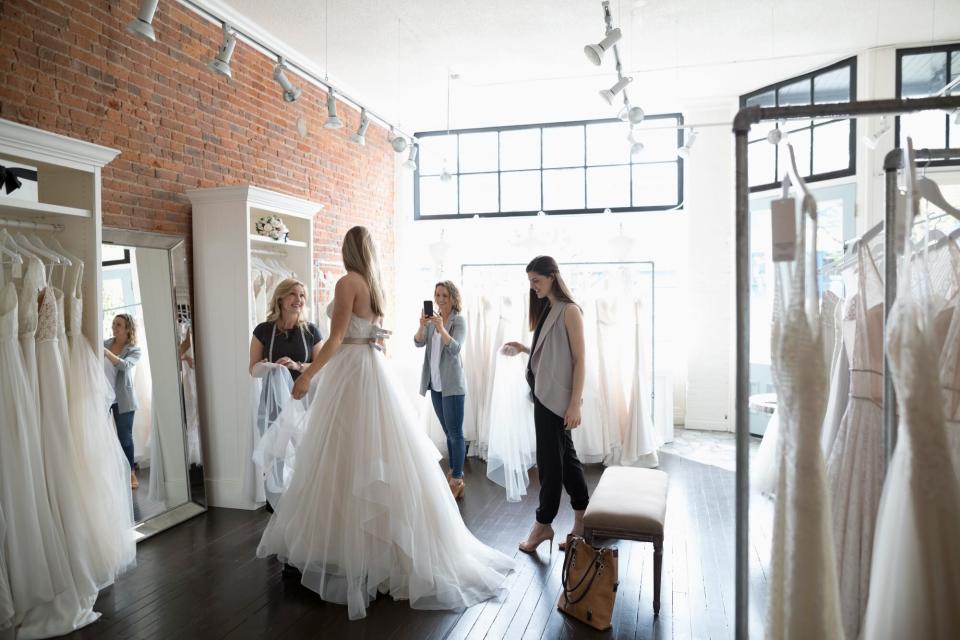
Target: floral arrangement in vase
(272, 227)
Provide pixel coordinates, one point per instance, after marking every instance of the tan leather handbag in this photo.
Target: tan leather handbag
(590, 582)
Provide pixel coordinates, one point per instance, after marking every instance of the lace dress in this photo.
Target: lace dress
(33, 281)
(855, 465)
(368, 508)
(803, 585)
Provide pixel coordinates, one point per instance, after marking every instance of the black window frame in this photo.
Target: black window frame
(948, 49)
(124, 260)
(679, 162)
(851, 169)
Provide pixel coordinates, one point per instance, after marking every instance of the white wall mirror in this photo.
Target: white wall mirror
(147, 325)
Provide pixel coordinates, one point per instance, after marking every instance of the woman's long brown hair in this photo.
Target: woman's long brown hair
(547, 267)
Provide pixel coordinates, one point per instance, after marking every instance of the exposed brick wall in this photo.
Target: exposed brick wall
(71, 68)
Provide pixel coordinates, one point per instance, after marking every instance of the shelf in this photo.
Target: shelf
(289, 243)
(26, 207)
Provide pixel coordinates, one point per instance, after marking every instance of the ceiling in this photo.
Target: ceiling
(523, 61)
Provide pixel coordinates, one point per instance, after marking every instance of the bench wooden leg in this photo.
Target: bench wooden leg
(657, 568)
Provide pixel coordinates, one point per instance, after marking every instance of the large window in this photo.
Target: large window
(922, 73)
(568, 167)
(824, 148)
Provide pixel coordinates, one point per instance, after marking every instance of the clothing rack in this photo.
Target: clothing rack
(892, 163)
(36, 226)
(744, 120)
(618, 263)
(268, 252)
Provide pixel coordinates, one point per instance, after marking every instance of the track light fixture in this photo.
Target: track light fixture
(611, 93)
(411, 162)
(594, 52)
(633, 115)
(684, 151)
(290, 92)
(359, 136)
(333, 122)
(399, 143)
(872, 140)
(142, 25)
(221, 63)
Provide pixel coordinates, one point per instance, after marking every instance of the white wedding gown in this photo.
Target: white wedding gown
(368, 508)
(6, 598)
(641, 438)
(804, 598)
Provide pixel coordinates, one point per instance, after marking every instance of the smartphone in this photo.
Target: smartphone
(428, 308)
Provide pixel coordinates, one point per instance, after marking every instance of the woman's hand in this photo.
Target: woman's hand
(293, 365)
(571, 419)
(437, 321)
(518, 347)
(423, 320)
(301, 386)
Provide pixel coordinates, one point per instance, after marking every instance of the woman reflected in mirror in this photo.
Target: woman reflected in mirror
(121, 355)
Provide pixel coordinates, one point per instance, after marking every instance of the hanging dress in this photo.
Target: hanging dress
(611, 358)
(641, 438)
(7, 613)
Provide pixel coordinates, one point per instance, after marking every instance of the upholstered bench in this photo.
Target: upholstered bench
(630, 503)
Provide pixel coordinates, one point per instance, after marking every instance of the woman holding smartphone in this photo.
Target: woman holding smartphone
(555, 373)
(442, 332)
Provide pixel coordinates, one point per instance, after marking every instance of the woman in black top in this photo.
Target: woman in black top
(286, 338)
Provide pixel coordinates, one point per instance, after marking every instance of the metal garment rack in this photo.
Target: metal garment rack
(892, 163)
(653, 303)
(742, 123)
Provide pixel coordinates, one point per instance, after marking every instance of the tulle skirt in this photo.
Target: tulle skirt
(368, 509)
(6, 598)
(513, 443)
(766, 464)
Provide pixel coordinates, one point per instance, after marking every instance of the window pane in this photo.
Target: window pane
(795, 94)
(520, 149)
(478, 152)
(833, 86)
(800, 140)
(762, 100)
(438, 197)
(655, 185)
(437, 151)
(478, 193)
(609, 187)
(562, 188)
(923, 74)
(831, 147)
(607, 144)
(563, 146)
(761, 156)
(927, 128)
(520, 191)
(658, 144)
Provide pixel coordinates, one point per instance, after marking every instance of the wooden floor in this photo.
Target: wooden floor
(202, 580)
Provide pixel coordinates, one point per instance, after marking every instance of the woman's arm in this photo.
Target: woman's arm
(344, 295)
(126, 363)
(573, 320)
(420, 338)
(458, 329)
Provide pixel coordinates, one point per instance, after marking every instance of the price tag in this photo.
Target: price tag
(783, 225)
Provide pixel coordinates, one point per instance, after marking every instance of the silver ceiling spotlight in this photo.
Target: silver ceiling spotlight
(142, 25)
(633, 115)
(611, 93)
(411, 162)
(594, 52)
(872, 140)
(290, 92)
(221, 63)
(684, 151)
(636, 144)
(399, 143)
(333, 122)
(359, 136)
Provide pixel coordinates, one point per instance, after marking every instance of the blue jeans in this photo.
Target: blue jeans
(450, 413)
(124, 431)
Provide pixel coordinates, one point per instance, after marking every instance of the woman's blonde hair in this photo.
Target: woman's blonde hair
(131, 327)
(455, 300)
(281, 291)
(360, 256)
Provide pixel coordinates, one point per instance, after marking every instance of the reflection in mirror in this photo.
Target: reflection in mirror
(149, 359)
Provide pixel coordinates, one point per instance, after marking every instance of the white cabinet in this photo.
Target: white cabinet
(67, 205)
(224, 243)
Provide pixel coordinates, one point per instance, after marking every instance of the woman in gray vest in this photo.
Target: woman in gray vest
(121, 355)
(555, 373)
(442, 374)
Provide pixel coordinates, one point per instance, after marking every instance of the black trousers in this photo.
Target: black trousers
(557, 465)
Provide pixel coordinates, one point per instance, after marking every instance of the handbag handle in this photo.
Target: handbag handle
(596, 565)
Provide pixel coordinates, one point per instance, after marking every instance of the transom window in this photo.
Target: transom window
(564, 167)
(824, 148)
(922, 73)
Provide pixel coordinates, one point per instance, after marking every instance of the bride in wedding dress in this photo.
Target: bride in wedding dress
(368, 508)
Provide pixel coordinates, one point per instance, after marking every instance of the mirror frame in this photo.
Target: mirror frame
(196, 503)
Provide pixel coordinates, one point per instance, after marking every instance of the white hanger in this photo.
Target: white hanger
(4, 237)
(809, 202)
(930, 191)
(25, 242)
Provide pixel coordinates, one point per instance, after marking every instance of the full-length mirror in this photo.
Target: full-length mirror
(148, 357)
